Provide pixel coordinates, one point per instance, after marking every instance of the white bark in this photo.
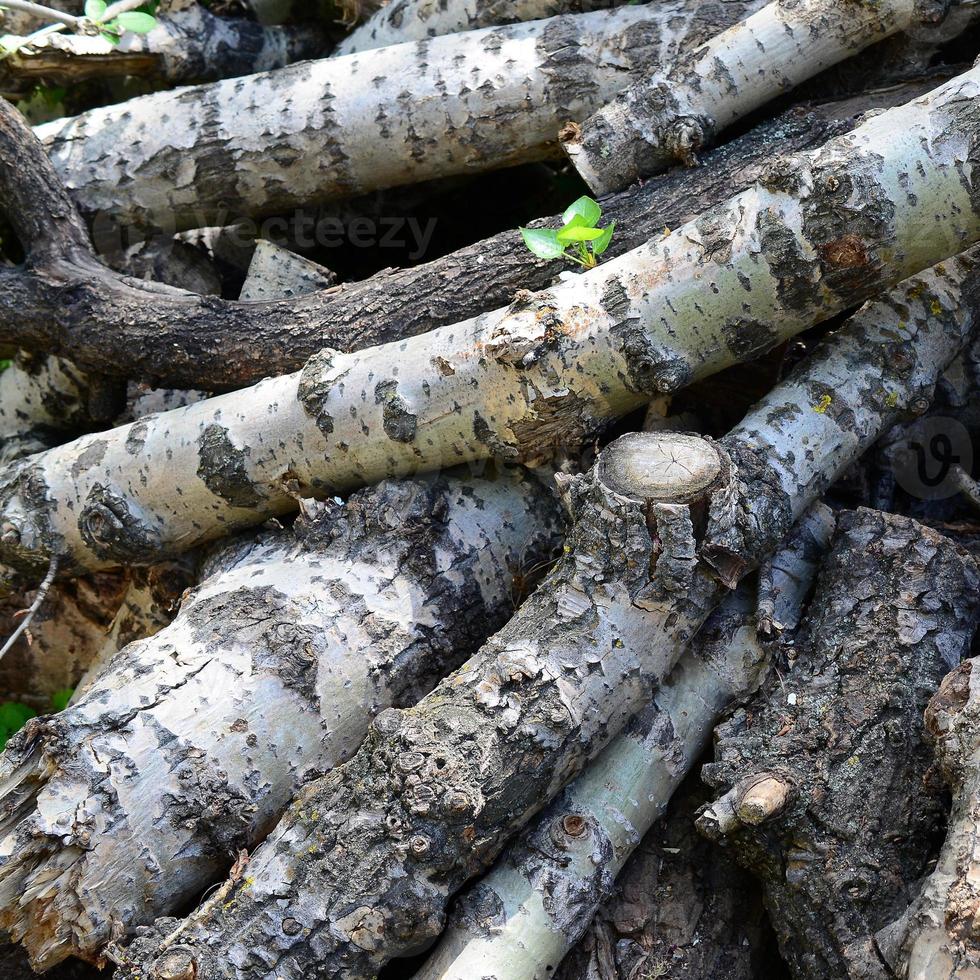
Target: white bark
(822, 232)
(399, 21)
(341, 126)
(519, 921)
(680, 108)
(188, 745)
(275, 272)
(664, 524)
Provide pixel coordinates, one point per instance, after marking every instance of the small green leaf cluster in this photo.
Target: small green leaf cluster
(133, 21)
(579, 238)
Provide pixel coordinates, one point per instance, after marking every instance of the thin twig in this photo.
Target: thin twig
(43, 13)
(121, 7)
(42, 593)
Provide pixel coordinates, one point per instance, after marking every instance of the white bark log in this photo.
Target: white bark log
(341, 126)
(822, 232)
(189, 744)
(399, 21)
(519, 921)
(664, 523)
(677, 110)
(275, 272)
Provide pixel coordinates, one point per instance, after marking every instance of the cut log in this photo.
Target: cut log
(673, 113)
(936, 938)
(189, 44)
(415, 20)
(823, 231)
(188, 745)
(520, 920)
(181, 341)
(481, 100)
(361, 867)
(825, 797)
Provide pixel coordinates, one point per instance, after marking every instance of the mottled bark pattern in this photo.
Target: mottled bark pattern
(671, 114)
(178, 339)
(519, 921)
(821, 232)
(823, 776)
(187, 746)
(414, 20)
(345, 126)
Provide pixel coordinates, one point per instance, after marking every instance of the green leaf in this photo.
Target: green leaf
(60, 699)
(574, 233)
(582, 213)
(136, 22)
(113, 39)
(543, 242)
(602, 242)
(94, 9)
(13, 717)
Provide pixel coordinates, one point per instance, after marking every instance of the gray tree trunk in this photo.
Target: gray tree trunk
(824, 778)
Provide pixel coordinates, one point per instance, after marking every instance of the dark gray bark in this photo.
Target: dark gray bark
(65, 301)
(825, 797)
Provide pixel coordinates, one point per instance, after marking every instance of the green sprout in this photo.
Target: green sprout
(14, 715)
(578, 233)
(99, 18)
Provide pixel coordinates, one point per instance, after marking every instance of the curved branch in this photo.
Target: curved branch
(111, 323)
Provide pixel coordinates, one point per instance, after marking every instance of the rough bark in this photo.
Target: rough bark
(480, 100)
(521, 919)
(674, 112)
(189, 44)
(188, 745)
(665, 524)
(681, 910)
(822, 231)
(823, 778)
(415, 20)
(936, 938)
(108, 323)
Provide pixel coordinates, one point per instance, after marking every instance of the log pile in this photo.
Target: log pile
(590, 596)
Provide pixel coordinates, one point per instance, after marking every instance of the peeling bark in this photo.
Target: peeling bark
(361, 867)
(823, 231)
(188, 745)
(189, 44)
(519, 921)
(342, 126)
(823, 778)
(936, 938)
(113, 324)
(399, 21)
(673, 113)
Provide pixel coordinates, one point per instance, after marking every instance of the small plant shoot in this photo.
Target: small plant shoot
(579, 239)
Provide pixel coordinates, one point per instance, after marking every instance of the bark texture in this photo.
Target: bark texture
(521, 919)
(342, 126)
(415, 20)
(823, 778)
(821, 232)
(114, 324)
(673, 113)
(665, 525)
(936, 938)
(189, 44)
(188, 745)
(681, 910)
